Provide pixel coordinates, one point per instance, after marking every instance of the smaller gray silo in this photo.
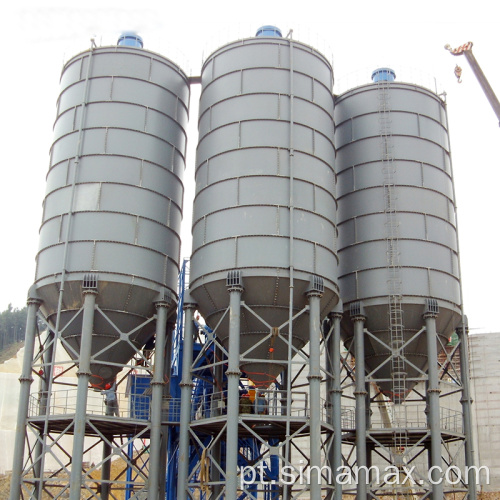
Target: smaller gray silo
(396, 218)
(265, 134)
(114, 196)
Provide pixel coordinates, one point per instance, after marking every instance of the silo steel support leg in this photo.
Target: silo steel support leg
(233, 379)
(337, 405)
(106, 464)
(165, 408)
(156, 403)
(186, 390)
(24, 396)
(314, 379)
(83, 375)
(43, 407)
(466, 410)
(435, 467)
(217, 446)
(360, 395)
(330, 387)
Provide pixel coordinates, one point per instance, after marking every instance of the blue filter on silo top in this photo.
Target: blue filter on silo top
(383, 75)
(269, 31)
(130, 39)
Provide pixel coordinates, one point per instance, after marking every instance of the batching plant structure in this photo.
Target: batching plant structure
(400, 281)
(264, 265)
(266, 392)
(106, 275)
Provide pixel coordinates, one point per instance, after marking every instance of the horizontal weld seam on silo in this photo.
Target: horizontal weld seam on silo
(148, 134)
(115, 155)
(327, 283)
(132, 284)
(260, 176)
(111, 183)
(122, 77)
(274, 68)
(234, 207)
(133, 245)
(127, 103)
(138, 52)
(296, 151)
(400, 238)
(396, 185)
(173, 234)
(400, 160)
(398, 110)
(279, 94)
(278, 41)
(384, 268)
(393, 135)
(373, 87)
(265, 205)
(272, 120)
(135, 277)
(250, 236)
(345, 221)
(277, 148)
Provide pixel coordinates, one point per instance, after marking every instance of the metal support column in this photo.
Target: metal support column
(215, 475)
(466, 401)
(44, 406)
(83, 374)
(24, 395)
(233, 374)
(186, 386)
(436, 463)
(106, 462)
(155, 468)
(166, 407)
(337, 401)
(360, 395)
(314, 295)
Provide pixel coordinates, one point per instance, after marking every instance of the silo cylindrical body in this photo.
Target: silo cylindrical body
(265, 190)
(396, 219)
(114, 195)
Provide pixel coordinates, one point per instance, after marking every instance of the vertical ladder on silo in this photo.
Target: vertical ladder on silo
(394, 287)
(394, 292)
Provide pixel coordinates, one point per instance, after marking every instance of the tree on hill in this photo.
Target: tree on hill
(12, 326)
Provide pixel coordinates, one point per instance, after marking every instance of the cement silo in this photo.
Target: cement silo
(113, 204)
(397, 228)
(400, 281)
(265, 185)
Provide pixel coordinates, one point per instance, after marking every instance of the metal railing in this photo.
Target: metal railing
(266, 404)
(130, 406)
(405, 416)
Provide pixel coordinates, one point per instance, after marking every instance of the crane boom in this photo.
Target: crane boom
(466, 50)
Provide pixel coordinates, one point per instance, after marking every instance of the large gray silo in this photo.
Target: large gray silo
(114, 197)
(397, 228)
(265, 184)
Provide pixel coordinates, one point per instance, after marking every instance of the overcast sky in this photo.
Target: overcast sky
(358, 36)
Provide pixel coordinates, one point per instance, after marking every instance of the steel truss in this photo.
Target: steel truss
(61, 421)
(414, 448)
(284, 453)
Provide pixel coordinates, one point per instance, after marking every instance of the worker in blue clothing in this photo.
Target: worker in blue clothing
(261, 404)
(110, 399)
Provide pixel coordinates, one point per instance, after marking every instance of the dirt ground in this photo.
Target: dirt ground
(118, 471)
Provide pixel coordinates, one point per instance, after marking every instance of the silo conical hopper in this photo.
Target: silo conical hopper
(397, 227)
(265, 132)
(113, 204)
